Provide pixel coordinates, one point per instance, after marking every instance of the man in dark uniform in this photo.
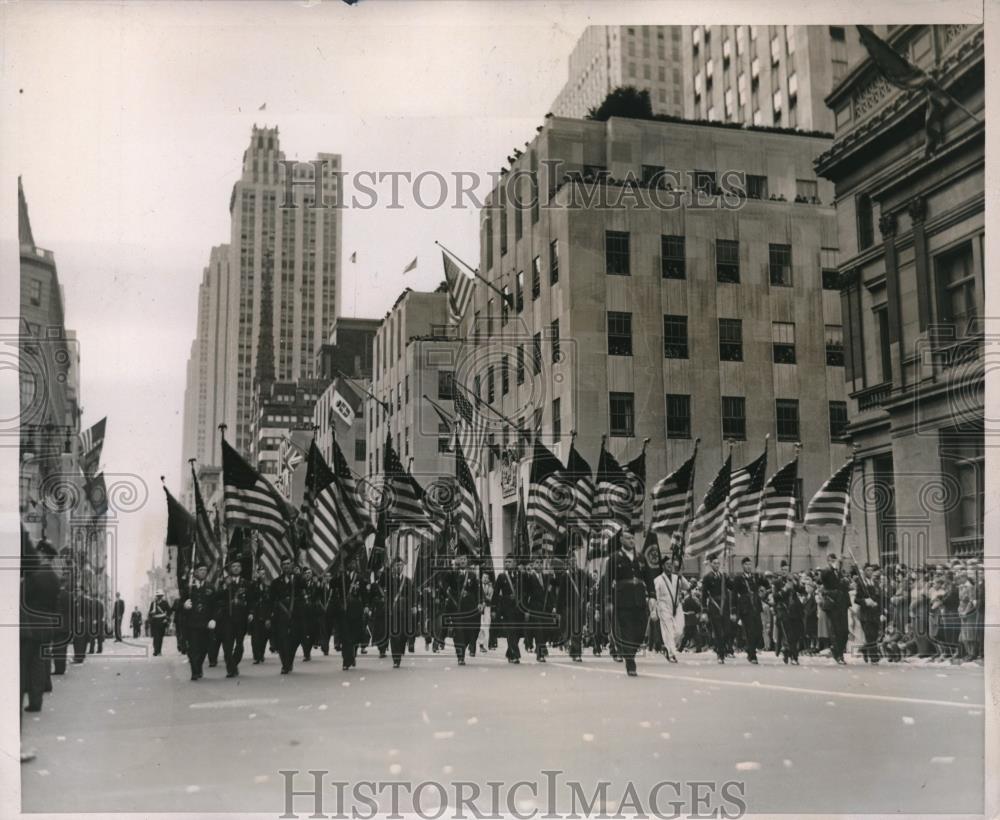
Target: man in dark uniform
(232, 615)
(350, 596)
(868, 597)
(39, 619)
(377, 605)
(288, 602)
(746, 592)
(309, 626)
(836, 601)
(159, 619)
(508, 614)
(595, 608)
(717, 593)
(63, 637)
(401, 606)
(118, 613)
(790, 610)
(98, 621)
(81, 624)
(259, 602)
(319, 611)
(633, 599)
(463, 606)
(135, 621)
(571, 597)
(534, 592)
(199, 607)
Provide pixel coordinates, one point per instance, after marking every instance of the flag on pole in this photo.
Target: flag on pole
(547, 490)
(635, 474)
(351, 513)
(331, 514)
(411, 266)
(673, 498)
(832, 503)
(614, 488)
(744, 491)
(602, 538)
(522, 539)
(469, 430)
(207, 547)
(584, 490)
(777, 501)
(180, 534)
(460, 289)
(250, 499)
(97, 494)
(354, 256)
(91, 445)
(404, 494)
(469, 509)
(342, 407)
(710, 526)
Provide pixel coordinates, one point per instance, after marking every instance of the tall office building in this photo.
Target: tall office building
(606, 57)
(766, 75)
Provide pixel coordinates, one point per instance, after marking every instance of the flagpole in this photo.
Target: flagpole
(756, 546)
(368, 393)
(194, 535)
(503, 418)
(791, 531)
(449, 416)
(506, 297)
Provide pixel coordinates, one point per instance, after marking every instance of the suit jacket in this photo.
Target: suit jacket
(505, 597)
(463, 592)
(746, 589)
(119, 610)
(716, 591)
(202, 598)
(233, 601)
(288, 599)
(671, 592)
(629, 581)
(159, 613)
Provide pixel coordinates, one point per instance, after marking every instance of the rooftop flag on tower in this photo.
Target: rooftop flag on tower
(91, 445)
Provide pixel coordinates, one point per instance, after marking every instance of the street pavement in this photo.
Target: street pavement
(129, 732)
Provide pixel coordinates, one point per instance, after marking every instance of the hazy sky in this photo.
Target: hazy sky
(128, 124)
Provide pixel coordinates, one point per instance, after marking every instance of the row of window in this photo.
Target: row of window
(734, 422)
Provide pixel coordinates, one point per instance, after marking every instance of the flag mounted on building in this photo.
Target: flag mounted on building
(778, 499)
(547, 490)
(744, 491)
(460, 289)
(469, 509)
(522, 539)
(710, 526)
(353, 514)
(832, 503)
(207, 548)
(91, 445)
(97, 494)
(673, 497)
(469, 429)
(250, 499)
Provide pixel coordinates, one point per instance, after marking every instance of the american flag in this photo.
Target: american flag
(673, 498)
(547, 502)
(710, 527)
(352, 514)
(271, 549)
(601, 538)
(469, 430)
(460, 289)
(405, 495)
(330, 511)
(744, 492)
(250, 499)
(777, 501)
(635, 472)
(832, 503)
(615, 491)
(469, 510)
(209, 548)
(91, 444)
(578, 471)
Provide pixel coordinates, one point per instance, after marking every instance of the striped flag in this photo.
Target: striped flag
(208, 549)
(673, 498)
(777, 501)
(635, 473)
(584, 489)
(330, 511)
(460, 289)
(469, 510)
(522, 539)
(271, 550)
(744, 492)
(405, 495)
(469, 430)
(601, 539)
(832, 503)
(91, 444)
(250, 499)
(613, 500)
(352, 512)
(547, 501)
(710, 526)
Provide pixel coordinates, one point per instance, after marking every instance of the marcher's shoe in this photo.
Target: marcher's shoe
(795, 661)
(540, 659)
(30, 708)
(364, 650)
(306, 659)
(346, 666)
(722, 660)
(577, 659)
(395, 664)
(230, 674)
(632, 673)
(461, 662)
(381, 654)
(27, 755)
(517, 660)
(752, 660)
(212, 665)
(285, 670)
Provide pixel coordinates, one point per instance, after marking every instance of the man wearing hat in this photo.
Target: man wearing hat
(39, 618)
(868, 597)
(836, 601)
(232, 615)
(670, 587)
(350, 603)
(508, 614)
(199, 609)
(633, 599)
(401, 605)
(463, 606)
(158, 617)
(717, 592)
(259, 604)
(746, 595)
(533, 595)
(288, 611)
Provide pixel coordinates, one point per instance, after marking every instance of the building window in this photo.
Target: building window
(553, 261)
(678, 415)
(477, 386)
(536, 278)
(359, 450)
(831, 279)
(490, 305)
(806, 189)
(518, 217)
(783, 342)
(866, 221)
(520, 364)
(537, 341)
(731, 340)
(619, 334)
(35, 292)
(491, 393)
(506, 301)
(444, 437)
(838, 420)
(651, 174)
(446, 384)
(406, 387)
(734, 418)
(704, 181)
(756, 186)
(787, 418)
(963, 460)
(727, 260)
(780, 265)
(834, 345)
(554, 333)
(502, 211)
(519, 292)
(957, 290)
(616, 253)
(556, 418)
(622, 412)
(675, 337)
(672, 259)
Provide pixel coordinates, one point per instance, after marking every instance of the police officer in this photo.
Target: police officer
(199, 609)
(159, 618)
(259, 602)
(288, 602)
(232, 615)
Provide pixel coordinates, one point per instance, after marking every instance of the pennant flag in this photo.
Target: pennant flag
(710, 527)
(411, 266)
(97, 494)
(832, 503)
(91, 445)
(460, 289)
(180, 523)
(584, 490)
(207, 549)
(547, 501)
(469, 430)
(673, 498)
(744, 491)
(354, 256)
(342, 407)
(614, 491)
(404, 494)
(651, 552)
(777, 502)
(635, 473)
(250, 499)
(469, 510)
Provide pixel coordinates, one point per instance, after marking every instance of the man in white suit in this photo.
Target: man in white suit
(671, 587)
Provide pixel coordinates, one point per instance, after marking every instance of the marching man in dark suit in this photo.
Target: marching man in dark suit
(746, 591)
(505, 606)
(159, 617)
(836, 602)
(534, 594)
(633, 599)
(288, 608)
(572, 586)
(716, 590)
(350, 595)
(199, 610)
(463, 605)
(259, 601)
(401, 605)
(233, 615)
(118, 613)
